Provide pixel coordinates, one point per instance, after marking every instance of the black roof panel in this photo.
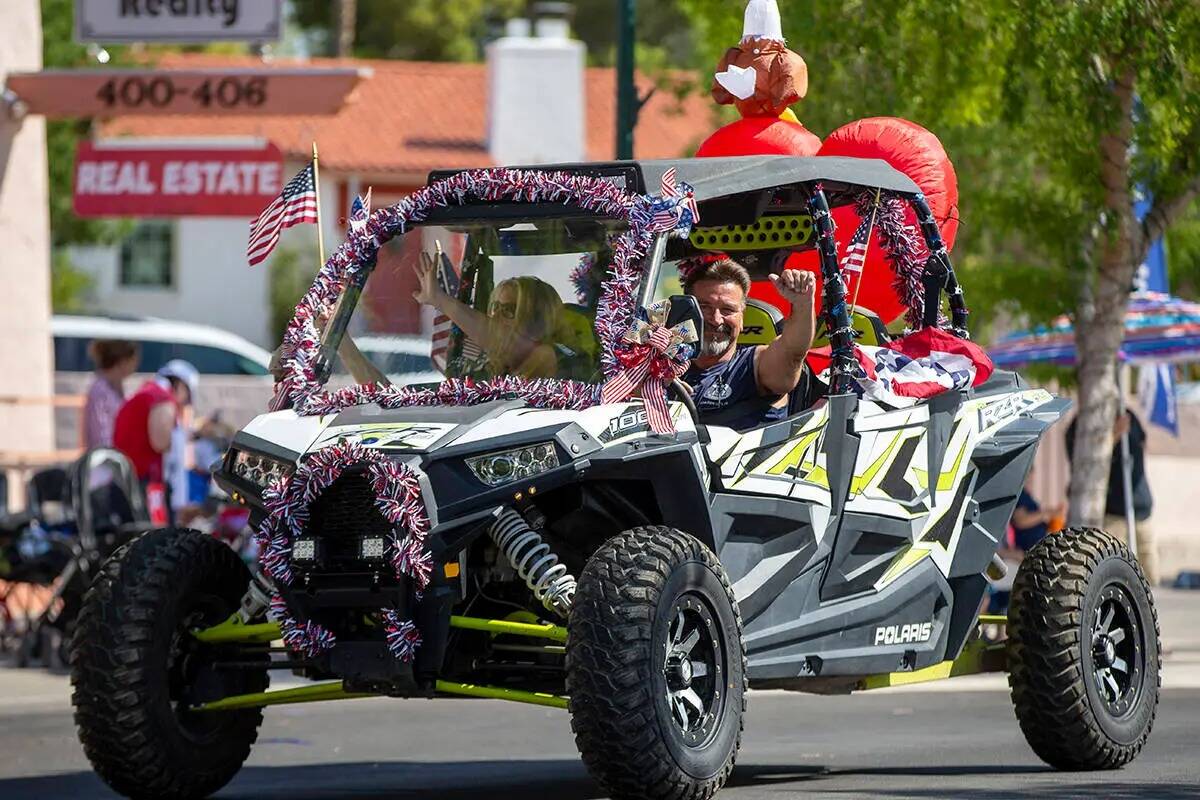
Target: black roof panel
(719, 177)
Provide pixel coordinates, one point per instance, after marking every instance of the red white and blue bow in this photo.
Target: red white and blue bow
(675, 208)
(651, 356)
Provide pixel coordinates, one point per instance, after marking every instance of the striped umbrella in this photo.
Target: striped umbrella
(1158, 328)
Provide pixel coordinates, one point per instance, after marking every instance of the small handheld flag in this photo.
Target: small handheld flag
(297, 203)
(360, 210)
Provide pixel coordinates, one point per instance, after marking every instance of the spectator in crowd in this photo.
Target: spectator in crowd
(1114, 507)
(147, 430)
(115, 360)
(1029, 524)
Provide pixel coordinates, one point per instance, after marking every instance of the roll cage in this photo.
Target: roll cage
(737, 192)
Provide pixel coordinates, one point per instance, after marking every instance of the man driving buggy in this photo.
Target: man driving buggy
(742, 387)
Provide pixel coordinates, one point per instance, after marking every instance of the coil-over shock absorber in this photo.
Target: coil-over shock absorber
(535, 564)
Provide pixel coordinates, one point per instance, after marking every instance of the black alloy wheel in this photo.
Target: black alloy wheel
(656, 667)
(1083, 651)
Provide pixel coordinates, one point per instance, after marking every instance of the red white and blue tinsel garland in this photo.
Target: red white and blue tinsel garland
(396, 487)
(903, 247)
(301, 341)
(398, 498)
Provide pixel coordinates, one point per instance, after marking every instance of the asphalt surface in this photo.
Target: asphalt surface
(952, 739)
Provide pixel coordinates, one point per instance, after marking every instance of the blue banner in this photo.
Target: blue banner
(1156, 381)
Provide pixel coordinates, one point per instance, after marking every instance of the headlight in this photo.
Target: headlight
(511, 465)
(371, 548)
(306, 550)
(259, 470)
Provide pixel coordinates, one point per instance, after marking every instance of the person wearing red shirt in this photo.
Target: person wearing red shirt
(144, 425)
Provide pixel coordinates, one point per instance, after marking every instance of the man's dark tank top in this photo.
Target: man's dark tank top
(721, 386)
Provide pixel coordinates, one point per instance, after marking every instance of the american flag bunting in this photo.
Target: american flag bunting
(297, 203)
(443, 326)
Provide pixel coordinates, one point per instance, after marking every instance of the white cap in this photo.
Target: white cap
(184, 371)
(762, 21)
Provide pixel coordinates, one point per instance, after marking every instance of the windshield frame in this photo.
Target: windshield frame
(304, 364)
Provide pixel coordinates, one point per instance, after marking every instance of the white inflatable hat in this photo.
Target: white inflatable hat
(762, 21)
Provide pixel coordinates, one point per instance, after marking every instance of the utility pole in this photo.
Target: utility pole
(347, 12)
(627, 99)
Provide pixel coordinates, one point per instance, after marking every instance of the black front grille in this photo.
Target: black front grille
(345, 512)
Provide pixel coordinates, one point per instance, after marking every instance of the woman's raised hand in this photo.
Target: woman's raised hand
(428, 292)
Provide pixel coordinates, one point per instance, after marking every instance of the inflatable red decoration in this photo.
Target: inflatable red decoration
(760, 136)
(917, 153)
(911, 149)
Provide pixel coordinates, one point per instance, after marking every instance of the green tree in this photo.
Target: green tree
(433, 30)
(291, 272)
(70, 287)
(418, 30)
(60, 50)
(1053, 114)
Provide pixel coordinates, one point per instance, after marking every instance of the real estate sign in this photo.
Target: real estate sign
(177, 20)
(119, 180)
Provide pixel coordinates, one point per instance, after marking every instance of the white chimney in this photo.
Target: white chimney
(536, 94)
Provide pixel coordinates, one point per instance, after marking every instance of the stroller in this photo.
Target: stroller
(76, 518)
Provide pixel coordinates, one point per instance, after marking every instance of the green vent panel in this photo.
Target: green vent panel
(765, 234)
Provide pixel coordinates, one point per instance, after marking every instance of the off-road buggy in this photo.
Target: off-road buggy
(534, 540)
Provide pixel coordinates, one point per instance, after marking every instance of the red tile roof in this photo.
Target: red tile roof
(410, 117)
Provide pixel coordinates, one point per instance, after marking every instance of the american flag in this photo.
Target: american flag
(856, 251)
(295, 204)
(360, 210)
(669, 188)
(443, 327)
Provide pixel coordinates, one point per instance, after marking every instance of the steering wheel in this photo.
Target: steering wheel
(678, 390)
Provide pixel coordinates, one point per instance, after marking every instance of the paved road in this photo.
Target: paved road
(928, 744)
(954, 739)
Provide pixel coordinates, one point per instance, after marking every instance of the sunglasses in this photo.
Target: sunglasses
(505, 310)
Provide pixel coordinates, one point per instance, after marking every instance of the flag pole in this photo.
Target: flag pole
(862, 274)
(317, 186)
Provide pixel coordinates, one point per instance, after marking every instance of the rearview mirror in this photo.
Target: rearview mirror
(684, 307)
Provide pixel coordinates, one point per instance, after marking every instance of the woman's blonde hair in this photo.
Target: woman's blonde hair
(539, 307)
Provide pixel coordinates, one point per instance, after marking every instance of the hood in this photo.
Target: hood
(486, 426)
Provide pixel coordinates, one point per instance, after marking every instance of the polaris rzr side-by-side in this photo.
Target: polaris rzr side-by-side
(555, 524)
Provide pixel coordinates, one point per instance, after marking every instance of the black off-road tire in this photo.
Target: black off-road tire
(643, 595)
(130, 668)
(1059, 652)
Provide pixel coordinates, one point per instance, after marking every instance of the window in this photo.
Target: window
(148, 256)
(215, 361)
(71, 354)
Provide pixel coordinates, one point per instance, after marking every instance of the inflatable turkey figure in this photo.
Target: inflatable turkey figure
(762, 78)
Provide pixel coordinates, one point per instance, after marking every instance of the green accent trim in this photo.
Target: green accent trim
(993, 619)
(766, 233)
(860, 482)
(335, 690)
(330, 690)
(496, 693)
(539, 631)
(234, 630)
(907, 558)
(976, 657)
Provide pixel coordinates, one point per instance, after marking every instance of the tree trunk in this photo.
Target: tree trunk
(1100, 317)
(347, 13)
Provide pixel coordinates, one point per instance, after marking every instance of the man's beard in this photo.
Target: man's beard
(716, 342)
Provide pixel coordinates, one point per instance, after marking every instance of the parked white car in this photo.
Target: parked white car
(211, 350)
(235, 381)
(403, 359)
